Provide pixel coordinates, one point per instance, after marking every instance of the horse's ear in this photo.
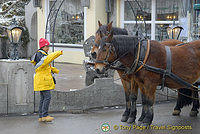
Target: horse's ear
(109, 27)
(99, 23)
(101, 34)
(110, 36)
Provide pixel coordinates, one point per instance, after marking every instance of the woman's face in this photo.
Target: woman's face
(46, 48)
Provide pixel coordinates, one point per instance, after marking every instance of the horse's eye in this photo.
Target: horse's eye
(104, 49)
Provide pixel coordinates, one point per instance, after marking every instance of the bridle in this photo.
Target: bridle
(136, 65)
(105, 61)
(111, 64)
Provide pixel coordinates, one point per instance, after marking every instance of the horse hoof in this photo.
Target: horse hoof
(141, 119)
(131, 120)
(124, 118)
(139, 123)
(176, 113)
(193, 113)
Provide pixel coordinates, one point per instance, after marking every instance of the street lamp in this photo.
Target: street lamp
(14, 34)
(174, 32)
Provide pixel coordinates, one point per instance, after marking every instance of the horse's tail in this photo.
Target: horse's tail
(184, 100)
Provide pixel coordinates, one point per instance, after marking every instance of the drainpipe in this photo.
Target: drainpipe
(108, 10)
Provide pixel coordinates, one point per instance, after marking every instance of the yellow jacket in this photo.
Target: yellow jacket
(43, 79)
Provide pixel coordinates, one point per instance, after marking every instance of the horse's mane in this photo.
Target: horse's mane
(124, 44)
(115, 30)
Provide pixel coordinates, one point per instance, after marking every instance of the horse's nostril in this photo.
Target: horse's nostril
(97, 70)
(94, 55)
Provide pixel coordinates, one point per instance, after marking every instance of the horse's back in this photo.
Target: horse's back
(170, 42)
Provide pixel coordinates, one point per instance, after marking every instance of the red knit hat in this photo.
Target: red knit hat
(43, 42)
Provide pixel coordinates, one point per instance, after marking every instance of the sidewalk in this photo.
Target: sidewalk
(90, 122)
(72, 76)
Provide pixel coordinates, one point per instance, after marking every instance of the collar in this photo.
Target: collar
(43, 52)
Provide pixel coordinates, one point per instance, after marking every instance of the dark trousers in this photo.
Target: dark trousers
(45, 98)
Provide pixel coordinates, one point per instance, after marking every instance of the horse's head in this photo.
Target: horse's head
(105, 30)
(106, 53)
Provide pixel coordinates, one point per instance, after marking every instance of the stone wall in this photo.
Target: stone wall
(17, 95)
(16, 86)
(94, 96)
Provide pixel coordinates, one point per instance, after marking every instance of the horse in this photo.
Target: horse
(125, 78)
(182, 99)
(126, 81)
(111, 48)
(106, 30)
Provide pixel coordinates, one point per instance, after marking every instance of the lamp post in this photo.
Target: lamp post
(174, 32)
(14, 34)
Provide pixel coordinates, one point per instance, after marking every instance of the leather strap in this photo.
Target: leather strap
(135, 62)
(146, 56)
(168, 66)
(169, 59)
(171, 75)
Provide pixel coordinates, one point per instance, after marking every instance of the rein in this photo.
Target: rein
(179, 93)
(171, 95)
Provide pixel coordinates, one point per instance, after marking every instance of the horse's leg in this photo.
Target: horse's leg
(126, 113)
(149, 97)
(143, 108)
(182, 100)
(194, 111)
(133, 98)
(177, 109)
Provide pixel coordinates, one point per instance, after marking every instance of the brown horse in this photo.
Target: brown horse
(126, 79)
(182, 99)
(105, 30)
(112, 48)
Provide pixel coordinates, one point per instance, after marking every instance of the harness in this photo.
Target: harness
(168, 66)
(143, 50)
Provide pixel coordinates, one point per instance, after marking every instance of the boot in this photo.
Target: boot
(40, 119)
(47, 119)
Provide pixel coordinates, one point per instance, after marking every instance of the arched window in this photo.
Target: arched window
(69, 27)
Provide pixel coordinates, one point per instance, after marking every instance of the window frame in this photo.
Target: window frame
(66, 45)
(153, 21)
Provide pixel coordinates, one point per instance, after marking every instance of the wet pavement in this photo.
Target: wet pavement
(91, 122)
(72, 76)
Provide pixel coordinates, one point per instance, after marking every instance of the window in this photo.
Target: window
(130, 18)
(69, 27)
(158, 15)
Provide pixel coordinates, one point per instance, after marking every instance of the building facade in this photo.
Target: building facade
(76, 23)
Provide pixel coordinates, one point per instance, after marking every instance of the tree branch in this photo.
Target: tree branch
(13, 4)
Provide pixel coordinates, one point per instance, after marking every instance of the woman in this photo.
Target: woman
(43, 79)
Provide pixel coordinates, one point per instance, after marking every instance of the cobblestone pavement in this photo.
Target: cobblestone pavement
(91, 122)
